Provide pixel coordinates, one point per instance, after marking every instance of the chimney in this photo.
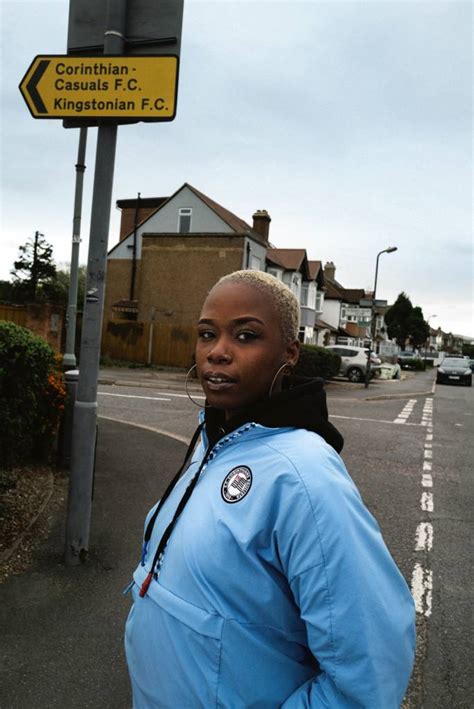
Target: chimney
(330, 270)
(261, 223)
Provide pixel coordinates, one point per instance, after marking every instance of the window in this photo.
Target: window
(274, 272)
(294, 286)
(184, 220)
(255, 263)
(308, 295)
(304, 294)
(319, 302)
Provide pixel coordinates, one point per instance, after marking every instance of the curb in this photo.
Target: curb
(140, 384)
(7, 553)
(407, 394)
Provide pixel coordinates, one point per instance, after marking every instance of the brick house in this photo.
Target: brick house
(172, 250)
(170, 253)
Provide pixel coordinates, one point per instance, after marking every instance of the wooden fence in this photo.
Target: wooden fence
(149, 343)
(13, 313)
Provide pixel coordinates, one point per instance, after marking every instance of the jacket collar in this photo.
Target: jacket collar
(300, 404)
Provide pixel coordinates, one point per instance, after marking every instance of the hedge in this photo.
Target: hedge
(317, 361)
(31, 395)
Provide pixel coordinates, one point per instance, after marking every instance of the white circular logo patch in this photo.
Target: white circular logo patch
(236, 484)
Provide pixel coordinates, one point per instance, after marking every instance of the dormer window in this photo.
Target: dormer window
(184, 220)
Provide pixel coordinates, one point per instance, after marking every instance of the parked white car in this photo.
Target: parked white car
(354, 361)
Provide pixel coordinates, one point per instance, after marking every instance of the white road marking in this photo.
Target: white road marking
(421, 589)
(428, 445)
(358, 418)
(162, 393)
(426, 465)
(424, 537)
(427, 480)
(429, 437)
(133, 396)
(427, 501)
(427, 453)
(182, 439)
(405, 412)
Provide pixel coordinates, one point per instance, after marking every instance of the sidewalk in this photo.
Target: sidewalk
(62, 628)
(413, 383)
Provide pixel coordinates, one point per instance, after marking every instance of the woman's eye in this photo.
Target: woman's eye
(246, 336)
(205, 335)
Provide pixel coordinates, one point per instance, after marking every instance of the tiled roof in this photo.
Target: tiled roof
(142, 202)
(353, 295)
(289, 259)
(314, 268)
(232, 220)
(332, 291)
(229, 218)
(323, 325)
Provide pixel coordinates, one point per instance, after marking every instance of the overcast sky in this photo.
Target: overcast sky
(350, 122)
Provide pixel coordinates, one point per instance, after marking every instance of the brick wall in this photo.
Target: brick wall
(128, 219)
(117, 284)
(177, 272)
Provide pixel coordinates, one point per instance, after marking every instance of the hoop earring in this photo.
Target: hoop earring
(186, 381)
(285, 364)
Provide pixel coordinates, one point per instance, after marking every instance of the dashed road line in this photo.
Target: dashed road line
(422, 577)
(427, 501)
(422, 590)
(424, 537)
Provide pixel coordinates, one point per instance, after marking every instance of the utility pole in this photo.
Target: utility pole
(85, 409)
(69, 359)
(390, 250)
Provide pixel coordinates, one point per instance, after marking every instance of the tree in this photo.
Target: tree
(406, 323)
(418, 329)
(34, 266)
(57, 289)
(396, 317)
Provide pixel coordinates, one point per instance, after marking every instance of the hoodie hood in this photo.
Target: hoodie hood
(300, 404)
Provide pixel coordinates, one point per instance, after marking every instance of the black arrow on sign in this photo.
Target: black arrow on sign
(32, 84)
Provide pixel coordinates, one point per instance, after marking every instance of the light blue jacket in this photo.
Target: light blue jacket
(276, 592)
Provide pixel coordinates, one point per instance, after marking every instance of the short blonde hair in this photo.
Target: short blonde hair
(284, 301)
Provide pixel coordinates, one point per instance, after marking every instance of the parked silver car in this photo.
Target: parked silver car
(354, 361)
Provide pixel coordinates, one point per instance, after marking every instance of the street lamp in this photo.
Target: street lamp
(388, 250)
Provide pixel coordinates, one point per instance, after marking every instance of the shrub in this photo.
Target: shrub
(31, 394)
(317, 361)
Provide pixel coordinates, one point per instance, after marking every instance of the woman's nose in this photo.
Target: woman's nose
(220, 352)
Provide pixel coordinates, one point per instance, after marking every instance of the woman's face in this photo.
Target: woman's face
(240, 347)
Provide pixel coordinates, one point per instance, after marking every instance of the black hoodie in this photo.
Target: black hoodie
(300, 404)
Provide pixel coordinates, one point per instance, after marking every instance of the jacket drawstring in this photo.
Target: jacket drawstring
(167, 533)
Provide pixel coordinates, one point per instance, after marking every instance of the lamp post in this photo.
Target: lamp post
(388, 250)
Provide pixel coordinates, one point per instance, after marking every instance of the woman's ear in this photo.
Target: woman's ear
(292, 353)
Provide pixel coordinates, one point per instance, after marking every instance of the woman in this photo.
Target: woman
(264, 581)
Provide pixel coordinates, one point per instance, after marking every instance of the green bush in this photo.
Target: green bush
(317, 361)
(31, 395)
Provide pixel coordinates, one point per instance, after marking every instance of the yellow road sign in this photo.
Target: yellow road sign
(112, 87)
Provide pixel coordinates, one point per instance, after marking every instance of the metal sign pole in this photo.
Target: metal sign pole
(85, 409)
(69, 359)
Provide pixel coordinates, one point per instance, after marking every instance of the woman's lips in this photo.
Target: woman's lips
(218, 382)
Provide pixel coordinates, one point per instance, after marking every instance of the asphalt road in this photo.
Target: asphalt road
(411, 459)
